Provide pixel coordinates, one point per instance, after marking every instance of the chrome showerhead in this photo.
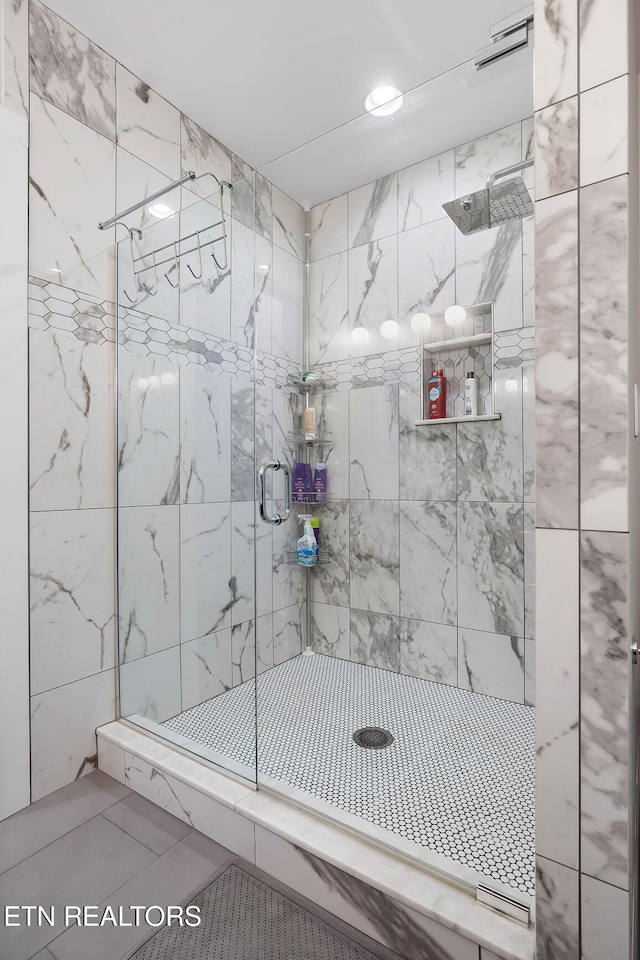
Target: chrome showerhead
(497, 203)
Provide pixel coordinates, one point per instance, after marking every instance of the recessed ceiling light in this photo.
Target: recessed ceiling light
(161, 210)
(383, 100)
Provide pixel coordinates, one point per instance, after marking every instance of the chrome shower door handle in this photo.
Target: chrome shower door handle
(274, 518)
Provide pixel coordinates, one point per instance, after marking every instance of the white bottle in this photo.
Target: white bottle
(471, 395)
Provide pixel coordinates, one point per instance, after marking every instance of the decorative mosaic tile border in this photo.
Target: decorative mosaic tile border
(55, 307)
(397, 365)
(512, 348)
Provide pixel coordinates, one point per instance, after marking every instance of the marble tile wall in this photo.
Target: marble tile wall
(185, 447)
(584, 298)
(429, 529)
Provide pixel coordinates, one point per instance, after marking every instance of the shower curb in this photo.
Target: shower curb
(242, 818)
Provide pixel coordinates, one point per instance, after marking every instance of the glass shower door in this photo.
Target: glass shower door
(186, 478)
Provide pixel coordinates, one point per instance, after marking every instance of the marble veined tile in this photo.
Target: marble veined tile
(72, 442)
(332, 411)
(373, 211)
(374, 555)
(150, 686)
(147, 124)
(556, 75)
(603, 355)
(243, 193)
(328, 228)
(604, 108)
(288, 223)
(135, 179)
(71, 72)
(243, 471)
(489, 267)
(286, 321)
(556, 128)
(330, 630)
(490, 568)
(63, 725)
(329, 309)
(205, 668)
(604, 40)
(205, 287)
(375, 640)
(429, 651)
(241, 579)
(557, 911)
(205, 435)
(477, 160)
(557, 702)
(205, 569)
(16, 56)
(605, 920)
(202, 153)
(257, 287)
(65, 244)
(490, 460)
(373, 421)
(373, 297)
(148, 555)
(243, 652)
(72, 596)
(263, 208)
(287, 633)
(244, 290)
(330, 582)
(148, 430)
(557, 373)
(426, 273)
(491, 664)
(427, 454)
(428, 586)
(422, 189)
(604, 709)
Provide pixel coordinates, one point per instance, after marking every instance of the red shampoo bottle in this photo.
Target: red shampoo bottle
(437, 394)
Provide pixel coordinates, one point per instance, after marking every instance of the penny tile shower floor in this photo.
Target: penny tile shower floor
(458, 778)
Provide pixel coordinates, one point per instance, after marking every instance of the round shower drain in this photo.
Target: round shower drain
(373, 738)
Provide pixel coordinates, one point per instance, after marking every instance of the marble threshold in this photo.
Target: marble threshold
(413, 884)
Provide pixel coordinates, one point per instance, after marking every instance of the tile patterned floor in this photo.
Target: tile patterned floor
(95, 842)
(458, 779)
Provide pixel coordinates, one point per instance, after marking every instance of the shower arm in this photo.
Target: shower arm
(507, 171)
(190, 176)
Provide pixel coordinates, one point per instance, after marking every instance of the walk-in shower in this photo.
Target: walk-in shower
(388, 687)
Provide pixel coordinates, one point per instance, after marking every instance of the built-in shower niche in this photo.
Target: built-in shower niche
(458, 340)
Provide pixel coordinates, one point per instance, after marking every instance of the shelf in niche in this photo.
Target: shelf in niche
(476, 340)
(431, 423)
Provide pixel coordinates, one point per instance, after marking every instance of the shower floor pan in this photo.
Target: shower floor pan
(458, 779)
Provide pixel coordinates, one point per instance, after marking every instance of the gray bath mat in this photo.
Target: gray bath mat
(247, 915)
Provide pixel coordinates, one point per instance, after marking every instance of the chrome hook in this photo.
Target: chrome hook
(220, 266)
(197, 276)
(176, 265)
(133, 265)
(152, 293)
